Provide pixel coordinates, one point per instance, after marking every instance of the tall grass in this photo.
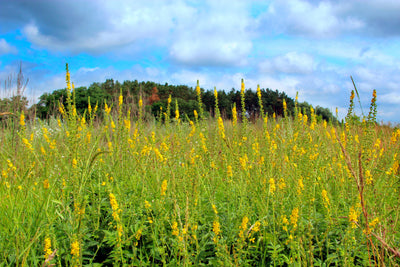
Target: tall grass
(76, 191)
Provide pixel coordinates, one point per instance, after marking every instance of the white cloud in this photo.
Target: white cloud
(216, 34)
(6, 48)
(210, 51)
(292, 62)
(108, 28)
(317, 19)
(210, 33)
(391, 98)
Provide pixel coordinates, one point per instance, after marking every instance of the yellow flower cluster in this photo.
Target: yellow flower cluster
(115, 207)
(353, 217)
(175, 230)
(243, 227)
(294, 217)
(325, 198)
(164, 186)
(75, 249)
(47, 247)
(216, 230)
(234, 115)
(272, 187)
(22, 119)
(221, 128)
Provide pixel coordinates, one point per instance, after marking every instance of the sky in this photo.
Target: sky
(304, 46)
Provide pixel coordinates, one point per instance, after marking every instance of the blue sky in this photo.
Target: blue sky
(310, 47)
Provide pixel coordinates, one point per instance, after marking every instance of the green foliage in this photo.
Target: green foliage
(109, 91)
(133, 192)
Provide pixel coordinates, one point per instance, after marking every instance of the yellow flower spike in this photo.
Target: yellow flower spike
(221, 128)
(234, 115)
(164, 186)
(374, 223)
(294, 217)
(147, 205)
(120, 100)
(256, 227)
(243, 227)
(325, 198)
(214, 209)
(352, 95)
(46, 184)
(229, 171)
(68, 78)
(258, 91)
(22, 119)
(88, 137)
(216, 230)
(75, 249)
(89, 107)
(83, 122)
(74, 163)
(47, 247)
(175, 230)
(353, 217)
(107, 109)
(272, 187)
(198, 91)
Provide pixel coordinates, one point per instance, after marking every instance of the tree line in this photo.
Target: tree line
(155, 100)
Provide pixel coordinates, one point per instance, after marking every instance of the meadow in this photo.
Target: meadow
(123, 191)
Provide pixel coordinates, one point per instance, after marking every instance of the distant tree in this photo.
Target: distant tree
(154, 96)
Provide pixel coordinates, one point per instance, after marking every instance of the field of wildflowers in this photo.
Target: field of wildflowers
(122, 191)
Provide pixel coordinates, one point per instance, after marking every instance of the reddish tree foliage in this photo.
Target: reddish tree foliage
(154, 96)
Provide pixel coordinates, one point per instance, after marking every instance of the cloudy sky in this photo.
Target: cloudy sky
(310, 47)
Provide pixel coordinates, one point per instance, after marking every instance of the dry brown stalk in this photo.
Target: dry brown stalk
(360, 186)
(49, 258)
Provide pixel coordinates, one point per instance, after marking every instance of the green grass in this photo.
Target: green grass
(267, 193)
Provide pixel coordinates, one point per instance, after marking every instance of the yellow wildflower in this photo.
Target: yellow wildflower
(75, 249)
(243, 227)
(294, 217)
(164, 186)
(107, 109)
(272, 187)
(147, 204)
(120, 100)
(234, 115)
(229, 171)
(374, 223)
(47, 247)
(74, 163)
(353, 217)
(216, 230)
(46, 184)
(215, 209)
(256, 227)
(22, 119)
(175, 230)
(221, 128)
(115, 207)
(325, 197)
(138, 234)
